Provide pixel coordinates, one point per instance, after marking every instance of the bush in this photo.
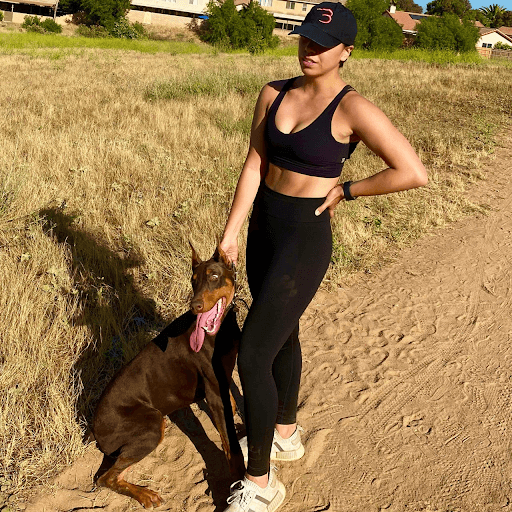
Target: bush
(1, 16)
(105, 12)
(374, 30)
(502, 46)
(34, 24)
(251, 28)
(385, 34)
(124, 29)
(93, 31)
(447, 33)
(52, 26)
(31, 21)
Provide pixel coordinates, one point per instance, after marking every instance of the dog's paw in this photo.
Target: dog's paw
(147, 498)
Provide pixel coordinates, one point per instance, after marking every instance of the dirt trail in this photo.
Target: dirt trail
(406, 394)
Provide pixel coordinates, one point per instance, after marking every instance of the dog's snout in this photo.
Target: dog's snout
(197, 306)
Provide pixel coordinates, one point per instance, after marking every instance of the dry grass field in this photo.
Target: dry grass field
(110, 161)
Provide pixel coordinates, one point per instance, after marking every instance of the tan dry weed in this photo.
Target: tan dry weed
(103, 182)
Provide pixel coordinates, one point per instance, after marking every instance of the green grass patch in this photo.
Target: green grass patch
(205, 84)
(409, 54)
(429, 56)
(27, 41)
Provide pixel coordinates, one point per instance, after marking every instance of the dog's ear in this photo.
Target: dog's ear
(221, 257)
(196, 260)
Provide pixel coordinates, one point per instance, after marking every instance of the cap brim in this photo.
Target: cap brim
(316, 35)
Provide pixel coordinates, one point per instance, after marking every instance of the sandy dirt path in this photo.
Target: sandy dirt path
(406, 393)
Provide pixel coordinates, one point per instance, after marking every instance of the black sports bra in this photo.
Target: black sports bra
(312, 150)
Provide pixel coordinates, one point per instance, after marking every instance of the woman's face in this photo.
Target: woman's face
(316, 60)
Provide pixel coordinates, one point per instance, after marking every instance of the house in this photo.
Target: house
(156, 11)
(490, 36)
(287, 13)
(409, 20)
(17, 10)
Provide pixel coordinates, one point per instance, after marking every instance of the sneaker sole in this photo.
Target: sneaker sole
(278, 498)
(287, 455)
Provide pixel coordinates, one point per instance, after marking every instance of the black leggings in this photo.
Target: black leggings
(288, 252)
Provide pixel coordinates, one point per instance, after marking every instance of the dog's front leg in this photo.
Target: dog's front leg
(220, 406)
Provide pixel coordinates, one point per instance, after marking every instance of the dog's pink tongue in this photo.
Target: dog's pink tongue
(204, 320)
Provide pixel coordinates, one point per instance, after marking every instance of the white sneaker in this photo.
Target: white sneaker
(282, 449)
(247, 496)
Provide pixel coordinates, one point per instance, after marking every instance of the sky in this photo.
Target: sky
(476, 4)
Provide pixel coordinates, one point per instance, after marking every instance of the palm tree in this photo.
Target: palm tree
(494, 14)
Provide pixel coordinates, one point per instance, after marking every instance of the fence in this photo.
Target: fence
(492, 53)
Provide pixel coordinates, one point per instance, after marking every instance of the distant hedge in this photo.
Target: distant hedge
(251, 28)
(447, 32)
(34, 24)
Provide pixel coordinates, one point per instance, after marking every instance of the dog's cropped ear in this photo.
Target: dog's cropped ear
(196, 260)
(222, 257)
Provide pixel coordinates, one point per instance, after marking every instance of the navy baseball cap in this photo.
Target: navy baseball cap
(329, 24)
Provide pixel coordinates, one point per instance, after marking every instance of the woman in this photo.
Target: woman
(303, 130)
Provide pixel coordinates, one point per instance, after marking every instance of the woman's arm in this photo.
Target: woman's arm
(405, 170)
(253, 171)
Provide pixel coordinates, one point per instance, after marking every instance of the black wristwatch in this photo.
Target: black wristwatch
(346, 191)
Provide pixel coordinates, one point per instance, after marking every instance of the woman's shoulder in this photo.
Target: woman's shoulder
(278, 84)
(271, 90)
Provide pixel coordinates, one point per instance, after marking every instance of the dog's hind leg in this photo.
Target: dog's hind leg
(148, 438)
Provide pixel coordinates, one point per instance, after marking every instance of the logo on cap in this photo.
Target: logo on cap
(328, 14)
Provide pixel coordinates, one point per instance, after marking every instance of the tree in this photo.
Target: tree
(439, 7)
(477, 15)
(105, 12)
(385, 33)
(494, 14)
(98, 12)
(371, 31)
(250, 28)
(408, 6)
(507, 19)
(447, 32)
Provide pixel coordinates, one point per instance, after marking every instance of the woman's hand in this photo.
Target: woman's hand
(332, 199)
(231, 250)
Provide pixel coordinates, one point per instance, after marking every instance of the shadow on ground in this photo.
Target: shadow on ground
(121, 319)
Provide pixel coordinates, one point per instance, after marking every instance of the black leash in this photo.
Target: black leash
(236, 298)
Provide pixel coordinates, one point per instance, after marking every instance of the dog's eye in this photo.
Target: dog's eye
(214, 277)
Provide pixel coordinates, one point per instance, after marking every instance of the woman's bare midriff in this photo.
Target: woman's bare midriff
(292, 183)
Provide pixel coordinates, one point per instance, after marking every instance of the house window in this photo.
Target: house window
(486, 45)
(267, 3)
(192, 2)
(290, 5)
(304, 7)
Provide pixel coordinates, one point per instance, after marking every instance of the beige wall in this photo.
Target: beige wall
(492, 38)
(154, 18)
(279, 6)
(194, 6)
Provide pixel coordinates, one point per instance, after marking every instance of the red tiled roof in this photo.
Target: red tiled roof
(407, 20)
(42, 3)
(500, 31)
(486, 30)
(506, 30)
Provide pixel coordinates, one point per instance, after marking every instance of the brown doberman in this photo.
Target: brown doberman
(191, 359)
